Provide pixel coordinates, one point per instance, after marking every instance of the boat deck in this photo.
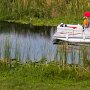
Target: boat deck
(73, 35)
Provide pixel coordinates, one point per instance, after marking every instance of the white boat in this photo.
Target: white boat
(72, 33)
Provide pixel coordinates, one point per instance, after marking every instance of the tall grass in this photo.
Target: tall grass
(49, 71)
(17, 9)
(43, 76)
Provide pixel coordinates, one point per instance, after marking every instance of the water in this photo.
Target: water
(27, 43)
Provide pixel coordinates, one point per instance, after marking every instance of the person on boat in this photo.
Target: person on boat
(85, 22)
(61, 25)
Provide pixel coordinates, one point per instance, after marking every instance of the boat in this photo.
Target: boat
(72, 33)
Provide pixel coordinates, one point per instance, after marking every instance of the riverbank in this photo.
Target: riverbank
(40, 76)
(21, 11)
(48, 22)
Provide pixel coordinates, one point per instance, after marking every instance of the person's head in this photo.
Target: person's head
(85, 17)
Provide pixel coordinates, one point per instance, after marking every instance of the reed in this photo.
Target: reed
(32, 76)
(17, 9)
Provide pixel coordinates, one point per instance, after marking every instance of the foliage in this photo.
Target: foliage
(17, 9)
(41, 76)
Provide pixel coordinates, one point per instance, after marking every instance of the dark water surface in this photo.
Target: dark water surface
(34, 43)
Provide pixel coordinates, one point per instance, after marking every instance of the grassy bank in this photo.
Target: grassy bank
(39, 76)
(48, 22)
(45, 12)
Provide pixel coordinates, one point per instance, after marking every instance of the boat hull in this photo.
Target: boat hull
(76, 35)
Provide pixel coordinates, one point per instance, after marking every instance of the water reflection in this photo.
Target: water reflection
(73, 54)
(27, 43)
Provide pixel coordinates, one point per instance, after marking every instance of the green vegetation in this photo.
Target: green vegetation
(40, 76)
(44, 75)
(43, 12)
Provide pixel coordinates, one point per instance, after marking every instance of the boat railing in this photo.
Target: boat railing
(75, 33)
(83, 35)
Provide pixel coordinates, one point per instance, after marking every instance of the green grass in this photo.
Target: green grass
(21, 11)
(32, 76)
(49, 22)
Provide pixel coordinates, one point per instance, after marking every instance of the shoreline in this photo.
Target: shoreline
(45, 22)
